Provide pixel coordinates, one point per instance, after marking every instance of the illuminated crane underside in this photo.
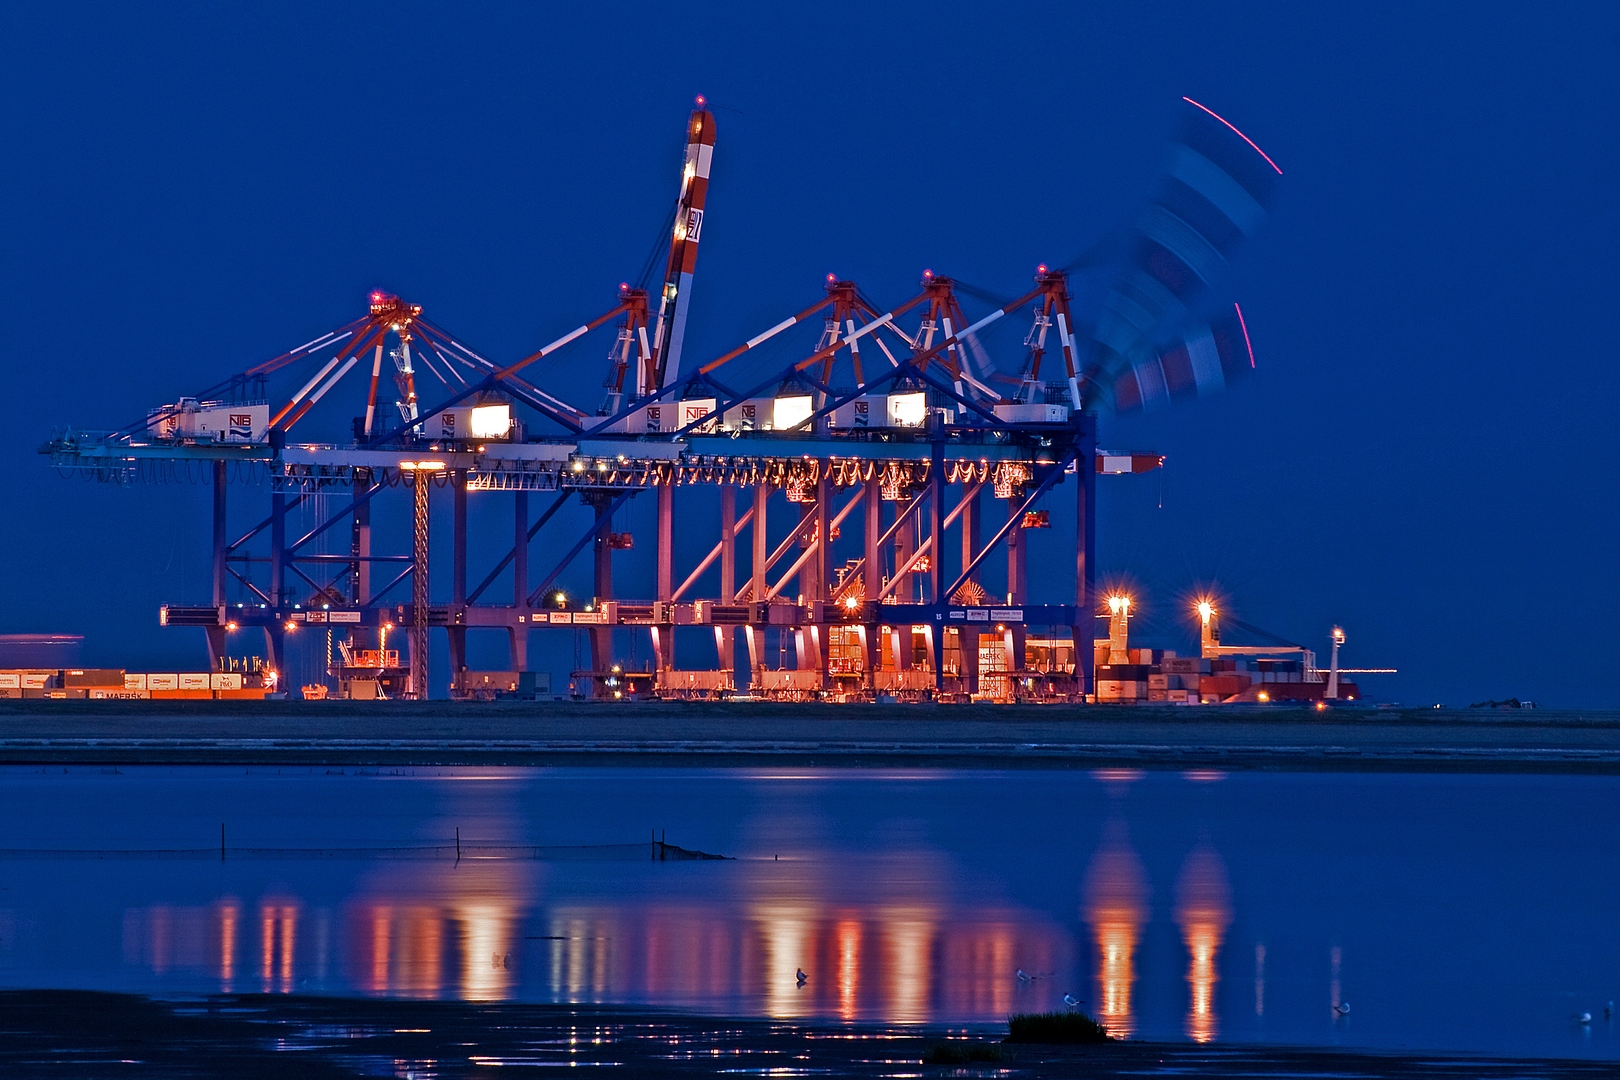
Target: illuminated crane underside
(896, 491)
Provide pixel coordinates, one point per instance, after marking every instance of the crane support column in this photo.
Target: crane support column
(520, 582)
(1085, 534)
(968, 633)
(421, 482)
(872, 580)
(757, 583)
(457, 631)
(278, 549)
(725, 637)
(936, 553)
(360, 540)
(216, 633)
(664, 636)
(602, 636)
(1017, 583)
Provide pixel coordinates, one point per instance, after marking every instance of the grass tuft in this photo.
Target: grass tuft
(1055, 1027)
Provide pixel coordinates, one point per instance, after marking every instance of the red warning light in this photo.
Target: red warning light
(1041, 269)
(701, 100)
(831, 278)
(927, 275)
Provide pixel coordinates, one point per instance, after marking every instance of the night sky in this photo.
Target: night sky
(1425, 453)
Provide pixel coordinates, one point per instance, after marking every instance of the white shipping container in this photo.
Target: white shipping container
(225, 680)
(10, 680)
(693, 411)
(791, 410)
(210, 422)
(112, 693)
(751, 415)
(1033, 414)
(163, 682)
(193, 681)
(907, 410)
(653, 419)
(134, 682)
(471, 422)
(869, 411)
(35, 680)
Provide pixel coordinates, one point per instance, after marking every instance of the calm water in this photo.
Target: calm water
(1447, 912)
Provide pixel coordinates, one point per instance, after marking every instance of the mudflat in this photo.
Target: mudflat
(761, 734)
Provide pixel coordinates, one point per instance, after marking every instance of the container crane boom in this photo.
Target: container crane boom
(670, 332)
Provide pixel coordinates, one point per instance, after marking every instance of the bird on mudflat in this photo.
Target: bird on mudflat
(801, 976)
(1071, 1001)
(1342, 1008)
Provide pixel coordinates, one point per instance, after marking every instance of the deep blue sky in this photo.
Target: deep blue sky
(1426, 454)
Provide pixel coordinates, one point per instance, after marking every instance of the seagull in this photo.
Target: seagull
(1071, 1001)
(801, 976)
(1342, 1008)
(1583, 1018)
(1024, 976)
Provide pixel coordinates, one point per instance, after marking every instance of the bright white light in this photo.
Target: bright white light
(1206, 611)
(490, 421)
(791, 411)
(908, 410)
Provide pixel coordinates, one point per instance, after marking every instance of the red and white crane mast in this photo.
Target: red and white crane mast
(670, 332)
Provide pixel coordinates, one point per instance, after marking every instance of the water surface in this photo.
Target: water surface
(1382, 910)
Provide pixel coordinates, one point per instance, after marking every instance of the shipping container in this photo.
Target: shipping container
(476, 423)
(1033, 414)
(204, 694)
(134, 681)
(699, 412)
(196, 681)
(751, 415)
(163, 682)
(256, 694)
(86, 677)
(10, 680)
(116, 693)
(225, 680)
(867, 411)
(1224, 685)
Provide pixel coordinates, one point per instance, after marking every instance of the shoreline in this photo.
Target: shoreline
(830, 736)
(61, 1033)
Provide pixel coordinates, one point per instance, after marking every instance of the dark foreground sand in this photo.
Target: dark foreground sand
(443, 733)
(78, 1034)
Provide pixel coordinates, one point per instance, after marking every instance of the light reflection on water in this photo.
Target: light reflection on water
(905, 898)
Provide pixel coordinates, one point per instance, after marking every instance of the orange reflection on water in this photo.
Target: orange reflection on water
(848, 938)
(278, 929)
(167, 937)
(1116, 898)
(430, 921)
(1203, 910)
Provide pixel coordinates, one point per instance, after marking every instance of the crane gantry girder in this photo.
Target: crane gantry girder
(900, 488)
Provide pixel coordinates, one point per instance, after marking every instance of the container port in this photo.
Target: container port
(867, 507)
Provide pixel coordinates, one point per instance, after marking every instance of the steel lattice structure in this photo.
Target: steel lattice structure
(890, 482)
